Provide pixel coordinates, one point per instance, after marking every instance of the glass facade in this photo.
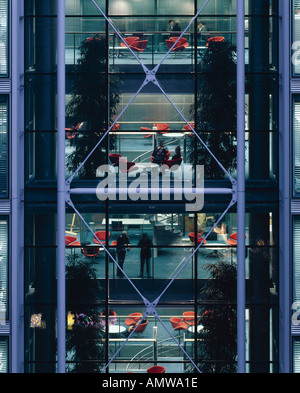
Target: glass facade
(4, 38)
(4, 146)
(193, 101)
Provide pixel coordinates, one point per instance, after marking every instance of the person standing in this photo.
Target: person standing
(123, 244)
(145, 244)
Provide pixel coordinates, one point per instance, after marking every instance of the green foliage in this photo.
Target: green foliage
(88, 105)
(215, 111)
(218, 337)
(84, 343)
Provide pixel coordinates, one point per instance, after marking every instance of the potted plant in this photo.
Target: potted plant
(84, 338)
(217, 350)
(91, 106)
(215, 111)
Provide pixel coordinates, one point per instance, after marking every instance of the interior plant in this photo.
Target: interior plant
(215, 111)
(94, 98)
(84, 338)
(218, 345)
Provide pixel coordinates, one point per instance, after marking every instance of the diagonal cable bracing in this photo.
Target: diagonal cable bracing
(147, 72)
(70, 203)
(106, 133)
(198, 136)
(146, 81)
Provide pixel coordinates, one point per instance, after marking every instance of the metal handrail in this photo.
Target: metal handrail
(150, 348)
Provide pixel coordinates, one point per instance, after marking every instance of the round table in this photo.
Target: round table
(192, 328)
(116, 329)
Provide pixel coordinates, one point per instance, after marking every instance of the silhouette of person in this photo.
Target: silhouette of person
(145, 244)
(123, 243)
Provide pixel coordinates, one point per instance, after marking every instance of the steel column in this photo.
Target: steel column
(241, 301)
(285, 237)
(61, 284)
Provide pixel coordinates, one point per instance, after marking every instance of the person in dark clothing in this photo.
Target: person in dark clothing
(145, 244)
(123, 243)
(177, 153)
(159, 154)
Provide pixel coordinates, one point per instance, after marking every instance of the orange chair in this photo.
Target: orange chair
(114, 158)
(139, 46)
(199, 238)
(175, 321)
(156, 370)
(101, 235)
(112, 319)
(170, 163)
(133, 319)
(189, 318)
(130, 167)
(70, 240)
(187, 127)
(140, 329)
(166, 158)
(178, 324)
(129, 41)
(179, 46)
(181, 326)
(215, 39)
(90, 252)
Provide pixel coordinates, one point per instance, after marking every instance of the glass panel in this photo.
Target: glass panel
(40, 338)
(151, 341)
(296, 352)
(4, 38)
(3, 270)
(296, 37)
(296, 262)
(296, 147)
(4, 147)
(3, 355)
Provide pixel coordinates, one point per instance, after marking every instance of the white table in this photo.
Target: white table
(116, 329)
(192, 328)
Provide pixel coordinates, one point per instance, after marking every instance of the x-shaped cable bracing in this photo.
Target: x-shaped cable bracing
(150, 78)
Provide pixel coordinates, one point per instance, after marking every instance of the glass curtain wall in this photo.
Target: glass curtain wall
(4, 147)
(122, 249)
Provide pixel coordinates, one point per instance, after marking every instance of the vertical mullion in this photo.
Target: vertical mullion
(61, 283)
(241, 301)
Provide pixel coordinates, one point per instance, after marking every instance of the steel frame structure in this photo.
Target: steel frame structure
(64, 190)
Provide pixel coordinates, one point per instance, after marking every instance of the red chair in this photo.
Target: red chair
(130, 167)
(171, 163)
(232, 242)
(112, 319)
(114, 243)
(189, 318)
(156, 370)
(140, 329)
(178, 324)
(199, 238)
(233, 236)
(215, 39)
(181, 326)
(90, 252)
(129, 41)
(71, 132)
(101, 235)
(114, 158)
(166, 158)
(175, 321)
(69, 240)
(133, 319)
(139, 46)
(179, 46)
(187, 127)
